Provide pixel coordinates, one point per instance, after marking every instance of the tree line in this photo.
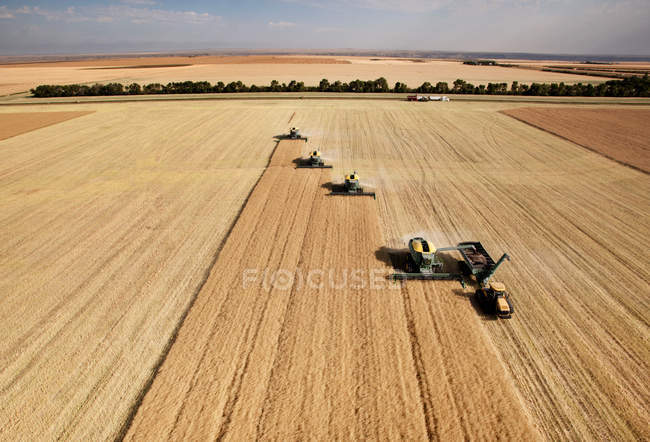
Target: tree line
(627, 87)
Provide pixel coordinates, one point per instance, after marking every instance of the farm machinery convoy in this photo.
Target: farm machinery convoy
(424, 261)
(350, 186)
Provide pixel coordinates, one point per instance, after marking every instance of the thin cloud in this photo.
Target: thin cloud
(410, 6)
(69, 14)
(424, 6)
(5, 13)
(113, 13)
(139, 2)
(328, 29)
(281, 24)
(150, 15)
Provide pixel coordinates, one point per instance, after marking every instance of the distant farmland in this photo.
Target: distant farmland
(263, 69)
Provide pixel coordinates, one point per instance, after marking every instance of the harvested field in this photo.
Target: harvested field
(12, 124)
(262, 70)
(134, 229)
(571, 220)
(620, 134)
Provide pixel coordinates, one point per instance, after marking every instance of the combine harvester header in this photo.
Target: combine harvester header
(294, 134)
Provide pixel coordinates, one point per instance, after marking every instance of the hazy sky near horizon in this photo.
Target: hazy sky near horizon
(616, 27)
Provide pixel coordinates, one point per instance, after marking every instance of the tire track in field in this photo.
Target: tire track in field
(423, 384)
(236, 386)
(283, 331)
(344, 366)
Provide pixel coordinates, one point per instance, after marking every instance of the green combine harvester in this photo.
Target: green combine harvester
(423, 262)
(351, 187)
(294, 134)
(313, 162)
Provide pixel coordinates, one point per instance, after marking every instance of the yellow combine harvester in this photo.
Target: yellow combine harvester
(313, 162)
(294, 134)
(423, 262)
(351, 187)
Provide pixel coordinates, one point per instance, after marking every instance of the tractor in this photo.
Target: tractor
(494, 299)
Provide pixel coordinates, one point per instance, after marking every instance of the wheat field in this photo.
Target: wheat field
(110, 222)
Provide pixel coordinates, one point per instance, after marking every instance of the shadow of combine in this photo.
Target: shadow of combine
(287, 137)
(332, 187)
(395, 258)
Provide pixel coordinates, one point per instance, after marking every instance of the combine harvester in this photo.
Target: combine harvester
(313, 162)
(351, 187)
(294, 134)
(423, 262)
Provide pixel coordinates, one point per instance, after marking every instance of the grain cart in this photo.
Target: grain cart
(492, 297)
(313, 162)
(351, 187)
(478, 262)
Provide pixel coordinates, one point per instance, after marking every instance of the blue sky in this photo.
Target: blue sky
(617, 27)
